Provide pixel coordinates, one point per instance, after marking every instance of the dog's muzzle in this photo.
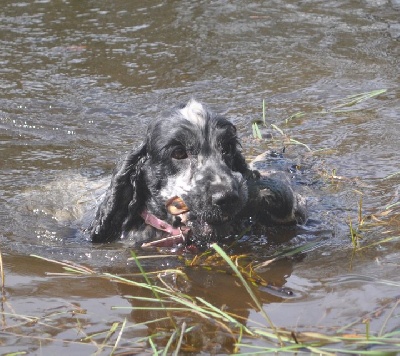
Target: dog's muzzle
(176, 235)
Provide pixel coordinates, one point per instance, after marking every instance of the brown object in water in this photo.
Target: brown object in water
(176, 206)
(165, 242)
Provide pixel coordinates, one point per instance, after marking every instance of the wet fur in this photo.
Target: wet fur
(194, 154)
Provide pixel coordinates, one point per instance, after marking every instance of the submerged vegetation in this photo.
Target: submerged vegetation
(184, 323)
(386, 218)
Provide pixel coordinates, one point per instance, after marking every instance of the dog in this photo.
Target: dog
(188, 183)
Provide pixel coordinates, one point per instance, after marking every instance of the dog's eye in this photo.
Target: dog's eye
(226, 149)
(179, 153)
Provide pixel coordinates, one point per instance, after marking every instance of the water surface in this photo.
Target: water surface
(79, 83)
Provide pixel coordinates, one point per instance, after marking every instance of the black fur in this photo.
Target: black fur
(194, 154)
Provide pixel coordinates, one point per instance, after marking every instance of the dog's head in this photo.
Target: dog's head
(190, 153)
(194, 154)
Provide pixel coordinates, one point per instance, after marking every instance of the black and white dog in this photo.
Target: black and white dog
(189, 183)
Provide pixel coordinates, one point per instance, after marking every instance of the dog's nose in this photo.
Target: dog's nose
(225, 200)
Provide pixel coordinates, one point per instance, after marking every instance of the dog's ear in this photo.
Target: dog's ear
(122, 197)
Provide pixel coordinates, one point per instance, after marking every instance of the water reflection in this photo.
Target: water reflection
(206, 334)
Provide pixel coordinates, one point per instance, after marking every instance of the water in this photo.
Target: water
(79, 83)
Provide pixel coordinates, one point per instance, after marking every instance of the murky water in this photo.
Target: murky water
(79, 83)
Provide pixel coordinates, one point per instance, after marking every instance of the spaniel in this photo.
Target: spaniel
(188, 183)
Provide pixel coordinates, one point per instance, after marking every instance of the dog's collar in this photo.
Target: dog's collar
(177, 234)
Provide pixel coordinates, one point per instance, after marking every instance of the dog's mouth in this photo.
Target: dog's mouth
(176, 206)
(179, 232)
(211, 217)
(192, 229)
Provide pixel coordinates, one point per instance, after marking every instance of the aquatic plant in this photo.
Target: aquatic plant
(341, 106)
(188, 312)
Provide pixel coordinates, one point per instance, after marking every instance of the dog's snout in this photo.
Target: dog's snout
(226, 200)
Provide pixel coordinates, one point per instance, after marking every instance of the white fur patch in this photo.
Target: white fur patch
(194, 112)
(177, 185)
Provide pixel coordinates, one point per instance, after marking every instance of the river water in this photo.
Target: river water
(80, 81)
